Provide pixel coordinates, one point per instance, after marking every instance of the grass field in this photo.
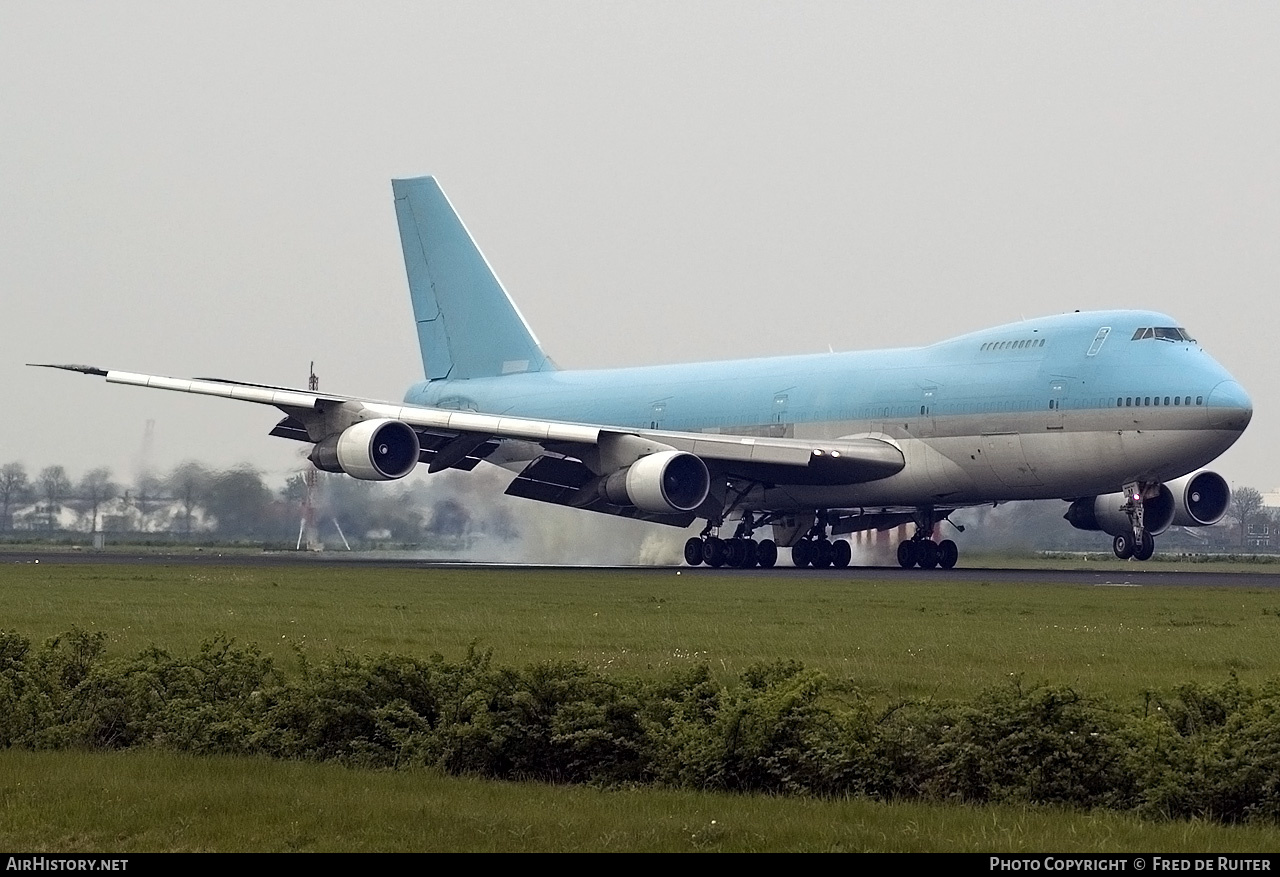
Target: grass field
(909, 637)
(148, 801)
(916, 636)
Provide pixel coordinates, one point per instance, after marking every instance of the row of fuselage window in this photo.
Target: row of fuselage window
(1013, 345)
(1139, 401)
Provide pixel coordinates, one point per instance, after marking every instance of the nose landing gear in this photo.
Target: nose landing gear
(1140, 545)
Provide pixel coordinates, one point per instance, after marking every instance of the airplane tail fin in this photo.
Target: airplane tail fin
(468, 327)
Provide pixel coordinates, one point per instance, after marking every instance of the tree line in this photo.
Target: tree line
(192, 501)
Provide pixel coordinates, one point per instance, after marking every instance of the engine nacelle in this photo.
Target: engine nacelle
(1106, 513)
(1200, 499)
(371, 450)
(665, 482)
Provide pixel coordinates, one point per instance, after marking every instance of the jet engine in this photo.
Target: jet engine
(372, 450)
(1106, 513)
(1196, 500)
(1200, 499)
(665, 482)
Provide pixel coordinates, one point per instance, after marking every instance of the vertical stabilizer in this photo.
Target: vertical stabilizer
(468, 326)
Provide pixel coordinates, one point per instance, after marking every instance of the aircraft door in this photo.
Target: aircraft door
(928, 412)
(657, 414)
(1057, 393)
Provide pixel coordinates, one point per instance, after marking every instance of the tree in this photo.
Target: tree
(240, 503)
(54, 487)
(1246, 503)
(149, 494)
(15, 489)
(96, 488)
(188, 483)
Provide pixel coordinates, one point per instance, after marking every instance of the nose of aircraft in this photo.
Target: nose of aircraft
(1229, 407)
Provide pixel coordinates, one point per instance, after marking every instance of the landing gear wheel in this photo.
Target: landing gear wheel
(693, 551)
(714, 552)
(736, 553)
(841, 554)
(948, 554)
(927, 554)
(1145, 547)
(906, 554)
(802, 553)
(821, 554)
(1122, 545)
(767, 553)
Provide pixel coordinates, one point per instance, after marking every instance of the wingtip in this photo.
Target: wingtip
(82, 369)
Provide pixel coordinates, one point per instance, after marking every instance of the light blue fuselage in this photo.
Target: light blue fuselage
(1041, 408)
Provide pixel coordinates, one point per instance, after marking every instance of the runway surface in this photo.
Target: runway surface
(1071, 572)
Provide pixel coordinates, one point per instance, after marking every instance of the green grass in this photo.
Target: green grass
(148, 801)
(909, 637)
(913, 636)
(1254, 564)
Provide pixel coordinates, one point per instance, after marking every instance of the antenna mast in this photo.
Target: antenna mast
(307, 529)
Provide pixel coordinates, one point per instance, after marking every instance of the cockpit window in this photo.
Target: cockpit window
(1162, 333)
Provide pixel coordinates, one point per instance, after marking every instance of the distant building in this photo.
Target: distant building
(1258, 535)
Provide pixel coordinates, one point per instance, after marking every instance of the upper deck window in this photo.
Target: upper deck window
(1013, 345)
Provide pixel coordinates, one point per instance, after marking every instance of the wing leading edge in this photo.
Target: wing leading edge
(564, 459)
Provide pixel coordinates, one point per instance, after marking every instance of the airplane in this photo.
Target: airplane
(1115, 411)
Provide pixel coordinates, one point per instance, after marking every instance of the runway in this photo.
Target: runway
(1134, 575)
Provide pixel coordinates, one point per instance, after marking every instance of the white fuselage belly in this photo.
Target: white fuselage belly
(975, 468)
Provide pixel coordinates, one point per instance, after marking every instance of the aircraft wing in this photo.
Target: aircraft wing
(572, 454)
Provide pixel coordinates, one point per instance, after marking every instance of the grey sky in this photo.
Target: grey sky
(203, 189)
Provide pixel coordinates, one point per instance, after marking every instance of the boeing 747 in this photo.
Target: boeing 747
(1114, 411)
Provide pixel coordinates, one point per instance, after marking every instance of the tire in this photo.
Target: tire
(736, 556)
(927, 554)
(1122, 546)
(767, 553)
(802, 553)
(1145, 547)
(821, 554)
(714, 552)
(693, 552)
(841, 553)
(948, 554)
(906, 554)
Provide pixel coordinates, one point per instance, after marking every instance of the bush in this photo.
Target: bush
(1199, 751)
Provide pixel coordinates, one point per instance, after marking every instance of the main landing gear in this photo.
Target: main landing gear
(926, 554)
(738, 552)
(1139, 544)
(741, 552)
(920, 550)
(816, 550)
